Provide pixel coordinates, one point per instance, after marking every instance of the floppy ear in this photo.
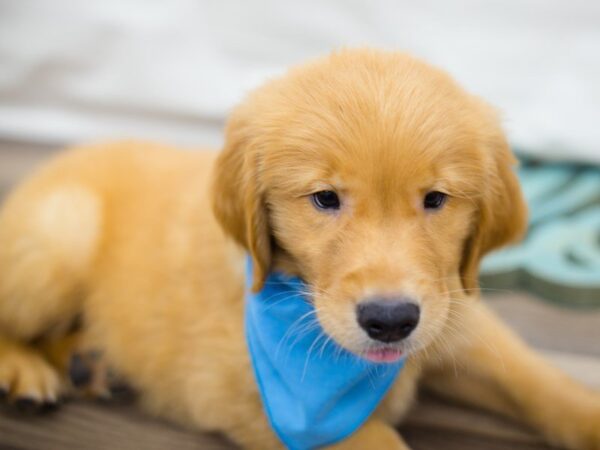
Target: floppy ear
(238, 200)
(502, 214)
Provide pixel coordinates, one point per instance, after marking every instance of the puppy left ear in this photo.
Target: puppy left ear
(238, 200)
(502, 212)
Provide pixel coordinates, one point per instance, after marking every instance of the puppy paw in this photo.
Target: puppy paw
(27, 381)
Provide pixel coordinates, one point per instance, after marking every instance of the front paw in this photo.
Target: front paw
(27, 381)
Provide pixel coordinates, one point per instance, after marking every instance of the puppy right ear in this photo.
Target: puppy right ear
(238, 198)
(502, 211)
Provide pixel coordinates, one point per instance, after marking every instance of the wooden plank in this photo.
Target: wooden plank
(81, 425)
(426, 439)
(95, 426)
(434, 413)
(546, 325)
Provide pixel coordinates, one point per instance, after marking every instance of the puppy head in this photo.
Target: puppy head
(380, 182)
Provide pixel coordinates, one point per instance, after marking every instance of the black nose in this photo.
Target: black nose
(388, 320)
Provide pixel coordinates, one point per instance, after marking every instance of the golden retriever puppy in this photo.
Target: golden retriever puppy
(367, 174)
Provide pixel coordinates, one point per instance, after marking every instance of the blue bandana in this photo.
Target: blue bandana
(314, 392)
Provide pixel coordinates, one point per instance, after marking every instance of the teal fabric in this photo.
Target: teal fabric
(314, 392)
(560, 256)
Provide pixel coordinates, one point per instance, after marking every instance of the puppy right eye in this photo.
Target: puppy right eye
(434, 200)
(326, 200)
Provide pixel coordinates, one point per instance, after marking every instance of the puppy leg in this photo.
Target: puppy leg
(373, 434)
(497, 371)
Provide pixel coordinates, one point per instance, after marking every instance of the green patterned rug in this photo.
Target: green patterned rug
(560, 257)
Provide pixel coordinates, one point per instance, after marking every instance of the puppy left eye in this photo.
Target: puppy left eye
(434, 200)
(326, 200)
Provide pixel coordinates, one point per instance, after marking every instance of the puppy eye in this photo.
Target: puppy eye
(434, 200)
(326, 200)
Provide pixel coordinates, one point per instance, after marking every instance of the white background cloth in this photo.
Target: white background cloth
(171, 70)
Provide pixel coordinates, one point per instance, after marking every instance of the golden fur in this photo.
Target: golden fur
(132, 238)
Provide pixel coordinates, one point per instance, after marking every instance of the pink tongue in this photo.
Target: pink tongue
(384, 355)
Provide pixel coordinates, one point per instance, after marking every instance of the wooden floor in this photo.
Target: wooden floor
(569, 337)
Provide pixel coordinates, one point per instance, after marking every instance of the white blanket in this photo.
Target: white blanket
(171, 70)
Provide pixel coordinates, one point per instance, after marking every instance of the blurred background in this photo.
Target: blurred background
(171, 70)
(73, 71)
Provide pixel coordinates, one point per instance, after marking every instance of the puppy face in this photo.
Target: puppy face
(381, 183)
